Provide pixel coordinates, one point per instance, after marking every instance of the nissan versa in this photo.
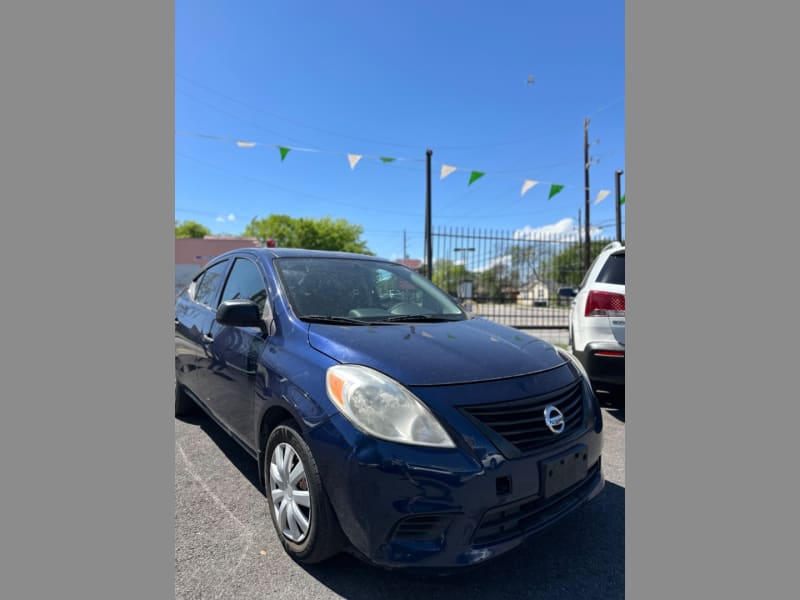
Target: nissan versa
(386, 421)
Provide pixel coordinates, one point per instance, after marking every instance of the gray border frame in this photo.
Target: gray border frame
(86, 435)
(711, 459)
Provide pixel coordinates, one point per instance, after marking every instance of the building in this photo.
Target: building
(192, 253)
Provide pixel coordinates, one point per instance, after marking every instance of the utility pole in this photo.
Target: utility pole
(405, 245)
(587, 249)
(580, 225)
(428, 244)
(619, 208)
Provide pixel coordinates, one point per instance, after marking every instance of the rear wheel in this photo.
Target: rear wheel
(183, 404)
(298, 505)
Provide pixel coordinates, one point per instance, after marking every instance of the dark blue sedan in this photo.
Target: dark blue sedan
(385, 420)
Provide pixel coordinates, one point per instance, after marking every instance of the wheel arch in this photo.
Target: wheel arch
(272, 417)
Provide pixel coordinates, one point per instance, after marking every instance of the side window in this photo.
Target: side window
(207, 285)
(245, 282)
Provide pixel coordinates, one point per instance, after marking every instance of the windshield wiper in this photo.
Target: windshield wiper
(332, 319)
(417, 319)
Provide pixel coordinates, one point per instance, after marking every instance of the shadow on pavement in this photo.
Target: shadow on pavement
(245, 463)
(613, 401)
(582, 556)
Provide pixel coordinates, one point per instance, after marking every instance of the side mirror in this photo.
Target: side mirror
(566, 292)
(240, 313)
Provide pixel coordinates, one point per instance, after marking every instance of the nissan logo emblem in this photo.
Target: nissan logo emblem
(554, 419)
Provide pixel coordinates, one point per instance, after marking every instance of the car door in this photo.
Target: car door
(194, 317)
(231, 375)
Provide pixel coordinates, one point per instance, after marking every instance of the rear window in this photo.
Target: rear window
(614, 270)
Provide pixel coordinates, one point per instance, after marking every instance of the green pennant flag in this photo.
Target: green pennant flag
(284, 151)
(622, 199)
(474, 176)
(386, 159)
(554, 189)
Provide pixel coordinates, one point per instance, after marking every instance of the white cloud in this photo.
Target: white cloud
(565, 230)
(220, 219)
(231, 217)
(224, 219)
(497, 260)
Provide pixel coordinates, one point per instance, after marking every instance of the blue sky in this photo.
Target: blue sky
(393, 79)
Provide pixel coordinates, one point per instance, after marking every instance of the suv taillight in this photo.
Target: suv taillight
(605, 304)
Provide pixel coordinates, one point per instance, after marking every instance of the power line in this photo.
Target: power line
(287, 190)
(297, 123)
(238, 117)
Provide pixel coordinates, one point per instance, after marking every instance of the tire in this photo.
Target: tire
(184, 405)
(321, 537)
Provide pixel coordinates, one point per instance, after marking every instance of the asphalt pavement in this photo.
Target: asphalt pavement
(225, 546)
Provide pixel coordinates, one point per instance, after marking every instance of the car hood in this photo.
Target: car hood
(437, 353)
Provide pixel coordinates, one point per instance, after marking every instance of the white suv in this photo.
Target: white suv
(597, 319)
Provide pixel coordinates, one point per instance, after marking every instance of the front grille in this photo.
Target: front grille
(421, 527)
(521, 424)
(530, 514)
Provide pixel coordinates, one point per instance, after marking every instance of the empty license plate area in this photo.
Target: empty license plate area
(563, 471)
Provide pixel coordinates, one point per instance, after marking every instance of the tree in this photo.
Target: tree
(191, 229)
(311, 234)
(566, 267)
(447, 275)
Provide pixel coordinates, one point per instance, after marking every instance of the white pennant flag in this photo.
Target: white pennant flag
(601, 195)
(246, 144)
(446, 170)
(353, 158)
(529, 183)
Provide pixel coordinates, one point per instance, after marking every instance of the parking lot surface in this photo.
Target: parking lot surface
(225, 546)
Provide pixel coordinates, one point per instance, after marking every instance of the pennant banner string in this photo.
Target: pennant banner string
(601, 195)
(353, 159)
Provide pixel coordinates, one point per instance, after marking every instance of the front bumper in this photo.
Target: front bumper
(408, 506)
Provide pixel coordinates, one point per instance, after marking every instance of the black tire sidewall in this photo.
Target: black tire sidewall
(310, 548)
(183, 404)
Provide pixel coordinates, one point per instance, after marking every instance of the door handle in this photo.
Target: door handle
(208, 338)
(177, 322)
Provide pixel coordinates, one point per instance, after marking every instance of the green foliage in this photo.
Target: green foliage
(191, 229)
(447, 275)
(566, 267)
(492, 282)
(311, 234)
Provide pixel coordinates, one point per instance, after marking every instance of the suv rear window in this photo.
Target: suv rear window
(614, 270)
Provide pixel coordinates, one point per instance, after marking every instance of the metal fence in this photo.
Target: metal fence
(516, 278)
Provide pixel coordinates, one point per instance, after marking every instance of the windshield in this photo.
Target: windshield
(357, 291)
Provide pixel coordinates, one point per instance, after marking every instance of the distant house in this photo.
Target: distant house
(192, 253)
(536, 293)
(414, 264)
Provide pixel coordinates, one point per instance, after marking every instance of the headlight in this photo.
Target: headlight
(380, 406)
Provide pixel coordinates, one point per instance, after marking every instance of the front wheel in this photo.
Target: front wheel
(298, 505)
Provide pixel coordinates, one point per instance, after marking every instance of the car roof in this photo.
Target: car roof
(615, 247)
(268, 253)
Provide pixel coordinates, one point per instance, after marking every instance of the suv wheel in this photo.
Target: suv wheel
(183, 404)
(298, 505)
